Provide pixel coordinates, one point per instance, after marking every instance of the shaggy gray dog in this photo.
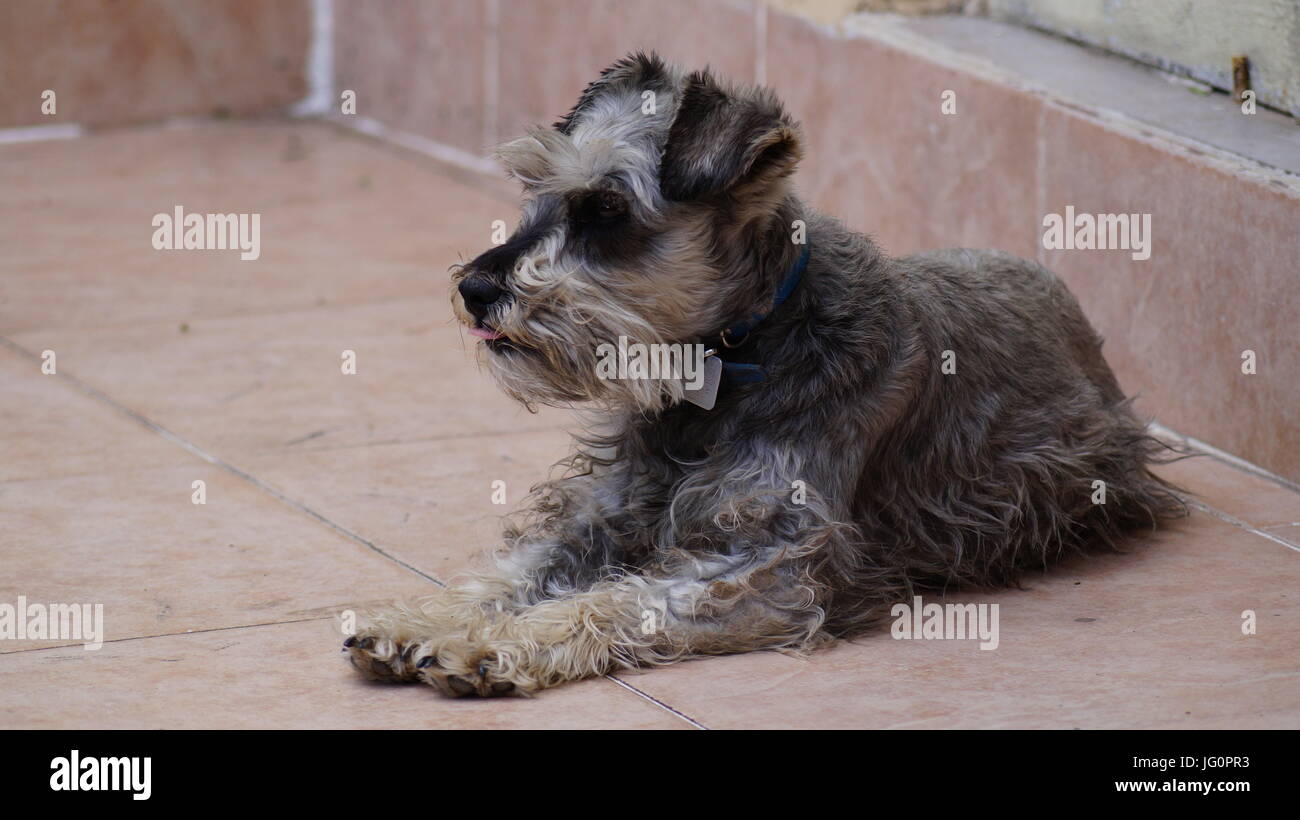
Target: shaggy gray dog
(882, 425)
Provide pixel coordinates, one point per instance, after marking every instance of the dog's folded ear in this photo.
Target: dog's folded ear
(529, 158)
(726, 141)
(640, 71)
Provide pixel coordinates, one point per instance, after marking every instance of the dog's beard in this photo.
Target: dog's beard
(556, 360)
(553, 323)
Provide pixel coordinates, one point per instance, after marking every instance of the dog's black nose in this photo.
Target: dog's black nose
(479, 294)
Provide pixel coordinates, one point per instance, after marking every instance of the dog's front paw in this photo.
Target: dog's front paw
(467, 667)
(382, 658)
(456, 668)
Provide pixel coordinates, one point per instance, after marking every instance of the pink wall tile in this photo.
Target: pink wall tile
(136, 60)
(882, 156)
(1223, 277)
(417, 66)
(551, 49)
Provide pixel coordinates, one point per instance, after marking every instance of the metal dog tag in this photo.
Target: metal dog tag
(706, 395)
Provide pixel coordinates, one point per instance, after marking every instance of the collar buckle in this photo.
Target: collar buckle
(726, 341)
(738, 334)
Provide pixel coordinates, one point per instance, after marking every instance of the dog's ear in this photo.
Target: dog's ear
(724, 141)
(641, 71)
(529, 158)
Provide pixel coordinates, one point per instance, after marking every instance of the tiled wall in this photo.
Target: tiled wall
(470, 73)
(124, 61)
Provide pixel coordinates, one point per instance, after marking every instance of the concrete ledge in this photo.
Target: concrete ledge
(1104, 83)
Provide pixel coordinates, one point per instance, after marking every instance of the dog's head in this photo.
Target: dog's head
(649, 211)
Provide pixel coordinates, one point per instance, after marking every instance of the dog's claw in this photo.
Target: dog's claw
(350, 642)
(426, 662)
(460, 686)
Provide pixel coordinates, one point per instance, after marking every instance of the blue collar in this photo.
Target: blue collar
(737, 334)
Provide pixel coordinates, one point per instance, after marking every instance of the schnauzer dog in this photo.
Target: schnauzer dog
(876, 426)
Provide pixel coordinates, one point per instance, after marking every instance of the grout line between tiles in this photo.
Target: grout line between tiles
(218, 462)
(1236, 522)
(1040, 180)
(318, 68)
(1240, 465)
(491, 72)
(173, 634)
(440, 151)
(518, 431)
(283, 310)
(454, 164)
(1225, 457)
(656, 701)
(40, 133)
(524, 431)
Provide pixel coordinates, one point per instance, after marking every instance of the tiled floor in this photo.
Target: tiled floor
(324, 490)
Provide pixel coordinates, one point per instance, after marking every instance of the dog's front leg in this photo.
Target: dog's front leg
(716, 605)
(560, 545)
(764, 583)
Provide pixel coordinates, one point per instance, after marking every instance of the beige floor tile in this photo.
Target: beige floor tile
(1149, 639)
(273, 383)
(49, 429)
(284, 676)
(133, 541)
(429, 503)
(342, 221)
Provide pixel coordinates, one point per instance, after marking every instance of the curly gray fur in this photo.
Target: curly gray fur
(911, 477)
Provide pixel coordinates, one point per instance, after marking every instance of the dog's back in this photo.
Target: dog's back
(1017, 444)
(1018, 291)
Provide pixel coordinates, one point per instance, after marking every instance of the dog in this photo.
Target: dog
(869, 427)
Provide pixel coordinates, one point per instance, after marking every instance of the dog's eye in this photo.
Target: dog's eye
(602, 207)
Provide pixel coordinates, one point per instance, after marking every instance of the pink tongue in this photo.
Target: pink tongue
(484, 333)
